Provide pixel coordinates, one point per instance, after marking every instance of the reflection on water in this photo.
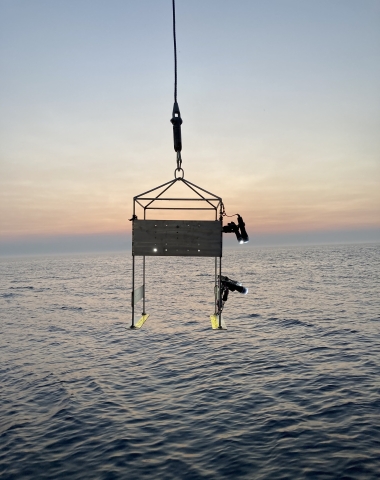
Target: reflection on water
(290, 390)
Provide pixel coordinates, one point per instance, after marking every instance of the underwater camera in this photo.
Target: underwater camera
(229, 285)
(239, 230)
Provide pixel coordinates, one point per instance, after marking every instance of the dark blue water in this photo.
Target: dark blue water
(291, 390)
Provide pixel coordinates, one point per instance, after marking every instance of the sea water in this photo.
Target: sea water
(291, 390)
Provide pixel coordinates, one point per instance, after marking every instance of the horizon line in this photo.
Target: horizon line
(83, 243)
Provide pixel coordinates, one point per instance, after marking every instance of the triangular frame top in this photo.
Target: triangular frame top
(148, 202)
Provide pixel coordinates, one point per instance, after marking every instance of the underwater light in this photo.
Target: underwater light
(244, 234)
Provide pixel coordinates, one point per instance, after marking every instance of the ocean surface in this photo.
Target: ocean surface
(290, 391)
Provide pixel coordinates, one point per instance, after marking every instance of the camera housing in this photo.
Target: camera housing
(239, 230)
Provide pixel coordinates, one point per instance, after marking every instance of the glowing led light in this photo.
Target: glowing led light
(154, 249)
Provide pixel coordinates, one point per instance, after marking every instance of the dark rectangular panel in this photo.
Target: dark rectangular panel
(190, 238)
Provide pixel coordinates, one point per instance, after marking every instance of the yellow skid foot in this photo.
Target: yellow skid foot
(141, 322)
(215, 323)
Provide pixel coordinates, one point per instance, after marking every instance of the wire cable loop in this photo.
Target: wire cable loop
(179, 160)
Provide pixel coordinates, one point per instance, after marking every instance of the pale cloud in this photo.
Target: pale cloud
(280, 112)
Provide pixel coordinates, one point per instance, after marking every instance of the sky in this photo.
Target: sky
(280, 101)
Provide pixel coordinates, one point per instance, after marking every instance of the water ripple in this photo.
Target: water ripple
(291, 390)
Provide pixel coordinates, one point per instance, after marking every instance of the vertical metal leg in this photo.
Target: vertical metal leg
(133, 292)
(216, 287)
(143, 312)
(220, 292)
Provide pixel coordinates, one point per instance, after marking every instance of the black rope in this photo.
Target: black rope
(175, 54)
(176, 115)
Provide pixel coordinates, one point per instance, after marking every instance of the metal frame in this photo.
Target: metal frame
(209, 201)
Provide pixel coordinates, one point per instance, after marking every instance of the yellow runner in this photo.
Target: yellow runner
(215, 323)
(142, 320)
